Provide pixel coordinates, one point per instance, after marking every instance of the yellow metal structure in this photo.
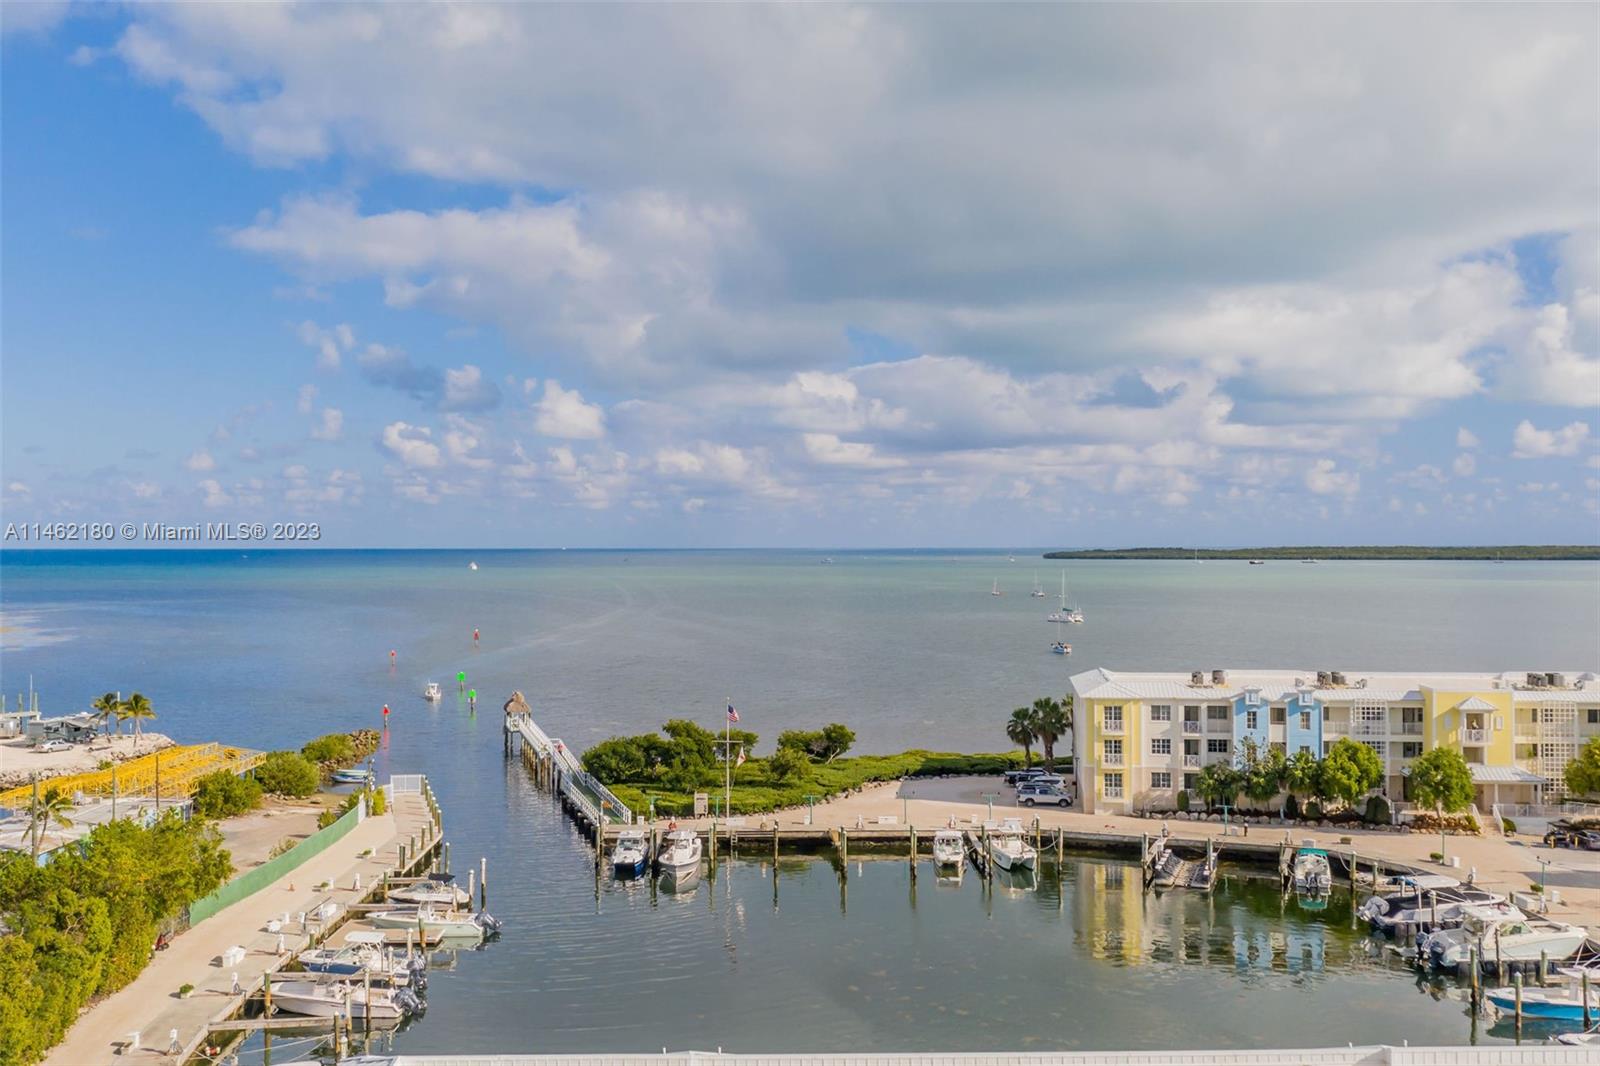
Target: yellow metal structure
(170, 773)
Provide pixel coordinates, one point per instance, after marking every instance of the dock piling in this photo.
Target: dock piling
(266, 994)
(1584, 982)
(844, 851)
(1472, 976)
(1517, 985)
(483, 881)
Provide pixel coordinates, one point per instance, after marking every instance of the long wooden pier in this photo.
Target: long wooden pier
(556, 768)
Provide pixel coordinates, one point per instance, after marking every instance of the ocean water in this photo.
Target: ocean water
(269, 649)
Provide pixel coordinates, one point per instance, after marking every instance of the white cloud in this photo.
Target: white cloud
(200, 461)
(1465, 465)
(466, 390)
(1530, 442)
(330, 425)
(330, 343)
(305, 398)
(1465, 438)
(562, 413)
(213, 494)
(694, 505)
(1325, 479)
(412, 445)
(828, 448)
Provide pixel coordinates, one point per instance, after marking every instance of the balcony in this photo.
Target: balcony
(1111, 728)
(1332, 725)
(1113, 761)
(1219, 725)
(1369, 729)
(1113, 792)
(1527, 732)
(1475, 736)
(1191, 761)
(1191, 727)
(1410, 729)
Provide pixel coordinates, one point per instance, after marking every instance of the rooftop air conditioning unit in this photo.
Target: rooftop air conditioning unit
(1220, 677)
(1197, 677)
(1338, 679)
(1556, 680)
(1324, 679)
(1362, 683)
(1536, 681)
(1299, 682)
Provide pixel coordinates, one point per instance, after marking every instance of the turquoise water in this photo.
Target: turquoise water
(910, 649)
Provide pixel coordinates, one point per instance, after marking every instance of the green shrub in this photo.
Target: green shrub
(282, 847)
(789, 764)
(1183, 799)
(335, 748)
(287, 773)
(1436, 856)
(1378, 812)
(81, 926)
(1291, 808)
(224, 794)
(1508, 827)
(1313, 810)
(377, 801)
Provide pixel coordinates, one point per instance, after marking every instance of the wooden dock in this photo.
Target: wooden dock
(557, 769)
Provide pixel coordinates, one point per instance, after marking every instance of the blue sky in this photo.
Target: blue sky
(667, 277)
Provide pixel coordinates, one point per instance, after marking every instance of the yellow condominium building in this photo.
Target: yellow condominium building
(1139, 738)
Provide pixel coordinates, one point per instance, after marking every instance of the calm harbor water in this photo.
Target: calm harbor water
(910, 648)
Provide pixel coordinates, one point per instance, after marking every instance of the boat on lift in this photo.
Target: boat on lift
(1312, 873)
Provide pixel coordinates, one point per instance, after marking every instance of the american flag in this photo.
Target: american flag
(733, 715)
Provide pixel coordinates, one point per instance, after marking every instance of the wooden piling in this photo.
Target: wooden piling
(366, 999)
(266, 994)
(844, 850)
(1061, 847)
(1472, 976)
(1518, 988)
(483, 881)
(1544, 967)
(1433, 909)
(987, 867)
(1585, 993)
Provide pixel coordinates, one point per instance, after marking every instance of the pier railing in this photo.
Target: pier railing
(593, 800)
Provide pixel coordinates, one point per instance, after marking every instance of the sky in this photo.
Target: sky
(817, 275)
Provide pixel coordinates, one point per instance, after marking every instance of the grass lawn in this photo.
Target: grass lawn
(755, 792)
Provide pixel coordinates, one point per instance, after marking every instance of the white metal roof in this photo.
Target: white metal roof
(1503, 775)
(1279, 685)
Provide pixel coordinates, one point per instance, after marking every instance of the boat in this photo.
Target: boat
(1506, 935)
(1312, 874)
(1589, 1039)
(366, 964)
(1309, 561)
(1065, 613)
(1560, 1003)
(1425, 901)
(948, 849)
(435, 892)
(680, 853)
(472, 566)
(1008, 848)
(1258, 562)
(351, 776)
(432, 692)
(1038, 589)
(447, 924)
(1061, 647)
(325, 998)
(994, 590)
(630, 854)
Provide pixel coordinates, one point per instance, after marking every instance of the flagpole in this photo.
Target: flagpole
(727, 757)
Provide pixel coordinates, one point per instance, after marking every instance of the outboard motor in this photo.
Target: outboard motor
(408, 1001)
(487, 922)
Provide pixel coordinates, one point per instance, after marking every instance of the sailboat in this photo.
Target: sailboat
(1038, 589)
(1065, 614)
(1061, 647)
(994, 590)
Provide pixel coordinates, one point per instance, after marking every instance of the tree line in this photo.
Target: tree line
(685, 756)
(1043, 722)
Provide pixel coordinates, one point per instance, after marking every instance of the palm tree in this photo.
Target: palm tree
(52, 808)
(137, 708)
(107, 710)
(1019, 730)
(1050, 721)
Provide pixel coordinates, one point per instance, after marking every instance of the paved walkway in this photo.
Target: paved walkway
(150, 1005)
(1504, 865)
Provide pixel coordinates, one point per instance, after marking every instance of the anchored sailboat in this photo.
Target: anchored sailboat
(1065, 613)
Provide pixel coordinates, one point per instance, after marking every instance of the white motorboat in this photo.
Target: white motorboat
(680, 853)
(1561, 1004)
(435, 892)
(365, 964)
(432, 692)
(1009, 848)
(338, 999)
(630, 854)
(1425, 902)
(446, 924)
(948, 849)
(1505, 934)
(1312, 874)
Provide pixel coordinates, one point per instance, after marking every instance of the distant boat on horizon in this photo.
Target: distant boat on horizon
(994, 590)
(1038, 590)
(472, 566)
(1065, 614)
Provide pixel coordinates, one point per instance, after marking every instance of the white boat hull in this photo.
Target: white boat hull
(453, 928)
(316, 1000)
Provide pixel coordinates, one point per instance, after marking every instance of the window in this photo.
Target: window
(1191, 747)
(1161, 746)
(1114, 784)
(1305, 719)
(1190, 780)
(1113, 752)
(1191, 713)
(1216, 714)
(1277, 717)
(1411, 749)
(1251, 719)
(1307, 748)
(1594, 715)
(1161, 780)
(1161, 713)
(1217, 746)
(1113, 717)
(1252, 699)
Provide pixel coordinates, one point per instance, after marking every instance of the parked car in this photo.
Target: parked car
(1564, 834)
(1045, 780)
(54, 745)
(1017, 777)
(1033, 794)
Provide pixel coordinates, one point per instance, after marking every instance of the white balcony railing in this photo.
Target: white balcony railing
(1111, 760)
(1113, 793)
(1191, 727)
(1474, 736)
(1191, 760)
(1410, 729)
(1330, 725)
(1108, 726)
(1370, 729)
(1529, 733)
